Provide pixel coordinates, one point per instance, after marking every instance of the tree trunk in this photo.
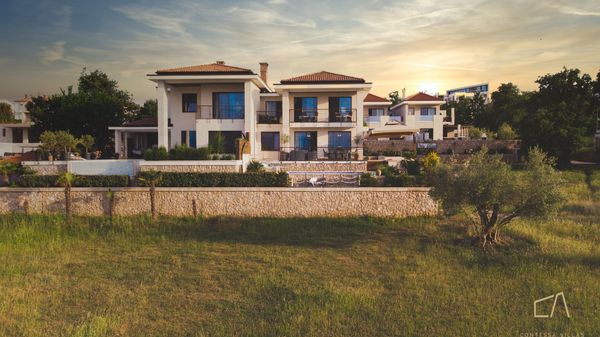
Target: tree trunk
(153, 201)
(68, 211)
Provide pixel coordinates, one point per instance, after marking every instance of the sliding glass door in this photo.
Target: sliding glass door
(305, 140)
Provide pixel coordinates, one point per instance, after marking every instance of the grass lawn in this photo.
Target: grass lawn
(299, 277)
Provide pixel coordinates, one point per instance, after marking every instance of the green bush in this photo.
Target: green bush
(159, 153)
(184, 152)
(30, 180)
(367, 180)
(506, 132)
(413, 167)
(255, 166)
(220, 179)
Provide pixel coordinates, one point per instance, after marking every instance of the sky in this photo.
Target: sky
(423, 45)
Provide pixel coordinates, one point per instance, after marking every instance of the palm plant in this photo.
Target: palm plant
(152, 178)
(66, 180)
(87, 141)
(6, 169)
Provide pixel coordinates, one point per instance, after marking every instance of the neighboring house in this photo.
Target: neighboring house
(419, 115)
(14, 136)
(309, 117)
(469, 91)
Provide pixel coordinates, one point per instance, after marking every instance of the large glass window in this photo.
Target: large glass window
(340, 139)
(189, 102)
(340, 109)
(305, 109)
(192, 138)
(223, 141)
(228, 105)
(376, 112)
(427, 114)
(269, 141)
(305, 140)
(272, 114)
(183, 137)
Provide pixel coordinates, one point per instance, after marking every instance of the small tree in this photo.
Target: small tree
(6, 113)
(66, 180)
(487, 187)
(430, 161)
(506, 132)
(152, 178)
(6, 169)
(87, 141)
(66, 142)
(49, 143)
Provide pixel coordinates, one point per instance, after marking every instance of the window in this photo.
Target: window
(376, 112)
(305, 140)
(223, 141)
(188, 102)
(340, 109)
(183, 137)
(427, 114)
(192, 138)
(411, 111)
(228, 105)
(305, 109)
(340, 139)
(272, 115)
(269, 141)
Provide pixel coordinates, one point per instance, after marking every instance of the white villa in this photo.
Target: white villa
(14, 136)
(310, 117)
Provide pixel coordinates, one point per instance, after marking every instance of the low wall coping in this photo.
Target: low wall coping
(316, 162)
(219, 189)
(190, 163)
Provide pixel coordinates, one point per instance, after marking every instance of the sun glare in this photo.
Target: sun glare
(429, 87)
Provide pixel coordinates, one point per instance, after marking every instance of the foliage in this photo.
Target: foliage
(509, 105)
(219, 179)
(475, 133)
(6, 169)
(97, 104)
(7, 115)
(87, 141)
(561, 114)
(412, 166)
(467, 110)
(184, 152)
(431, 160)
(32, 180)
(65, 141)
(489, 188)
(255, 166)
(367, 180)
(49, 143)
(217, 143)
(394, 97)
(156, 153)
(394, 178)
(506, 132)
(148, 109)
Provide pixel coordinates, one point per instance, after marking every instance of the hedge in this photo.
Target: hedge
(184, 152)
(29, 180)
(219, 179)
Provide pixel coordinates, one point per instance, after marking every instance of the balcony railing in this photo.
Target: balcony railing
(305, 115)
(318, 153)
(269, 117)
(220, 112)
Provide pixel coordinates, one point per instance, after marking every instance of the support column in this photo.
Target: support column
(163, 116)
(285, 117)
(125, 147)
(118, 145)
(25, 135)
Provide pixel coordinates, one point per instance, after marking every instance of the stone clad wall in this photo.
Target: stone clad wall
(241, 202)
(297, 166)
(47, 167)
(192, 168)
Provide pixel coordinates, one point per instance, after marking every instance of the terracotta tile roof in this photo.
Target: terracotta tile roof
(144, 122)
(216, 68)
(374, 98)
(421, 96)
(322, 77)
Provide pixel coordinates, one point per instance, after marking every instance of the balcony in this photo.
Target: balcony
(323, 117)
(319, 153)
(269, 117)
(220, 112)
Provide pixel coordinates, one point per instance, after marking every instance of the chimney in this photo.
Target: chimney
(264, 68)
(220, 62)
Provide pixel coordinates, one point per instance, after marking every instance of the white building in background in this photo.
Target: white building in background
(469, 91)
(418, 115)
(14, 136)
(309, 117)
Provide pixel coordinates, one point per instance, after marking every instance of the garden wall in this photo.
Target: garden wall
(192, 166)
(319, 166)
(457, 146)
(242, 202)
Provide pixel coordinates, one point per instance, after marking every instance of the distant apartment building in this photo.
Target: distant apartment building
(469, 91)
(14, 135)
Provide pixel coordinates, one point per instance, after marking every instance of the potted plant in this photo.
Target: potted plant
(49, 143)
(87, 141)
(358, 139)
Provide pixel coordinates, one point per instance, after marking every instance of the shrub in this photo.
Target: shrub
(431, 160)
(79, 181)
(159, 153)
(506, 132)
(366, 180)
(475, 133)
(184, 152)
(255, 166)
(219, 179)
(412, 167)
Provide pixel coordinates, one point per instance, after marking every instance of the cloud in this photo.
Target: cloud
(161, 19)
(53, 53)
(575, 11)
(62, 17)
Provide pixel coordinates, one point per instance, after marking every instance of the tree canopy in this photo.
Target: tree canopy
(6, 113)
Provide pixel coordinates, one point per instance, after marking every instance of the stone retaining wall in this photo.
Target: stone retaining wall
(242, 202)
(191, 166)
(47, 167)
(456, 146)
(323, 166)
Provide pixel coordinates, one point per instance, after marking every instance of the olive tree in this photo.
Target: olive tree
(487, 187)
